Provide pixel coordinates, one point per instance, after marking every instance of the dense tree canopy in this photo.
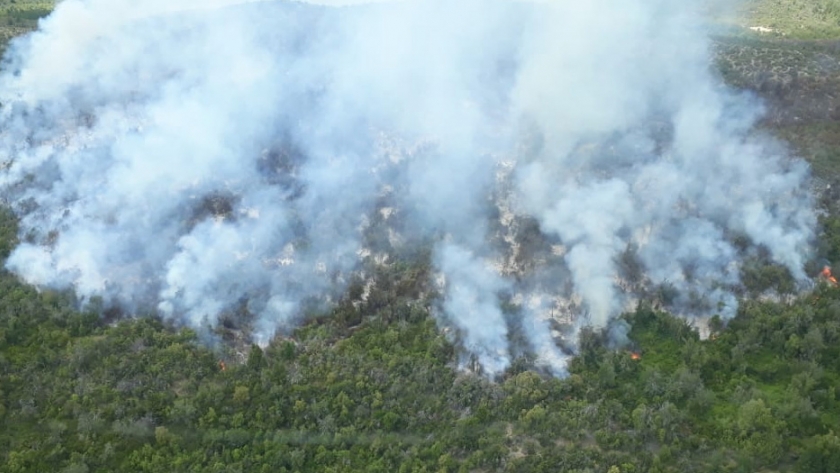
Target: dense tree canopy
(374, 387)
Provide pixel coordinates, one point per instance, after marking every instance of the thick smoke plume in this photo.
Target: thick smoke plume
(199, 157)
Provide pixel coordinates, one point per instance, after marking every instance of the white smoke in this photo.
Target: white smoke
(195, 156)
(472, 302)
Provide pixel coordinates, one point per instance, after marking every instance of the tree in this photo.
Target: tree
(821, 455)
(256, 359)
(758, 431)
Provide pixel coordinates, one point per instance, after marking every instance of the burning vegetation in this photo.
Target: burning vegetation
(549, 197)
(827, 276)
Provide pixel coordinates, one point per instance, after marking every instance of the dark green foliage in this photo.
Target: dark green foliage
(760, 276)
(831, 238)
(8, 232)
(77, 394)
(821, 454)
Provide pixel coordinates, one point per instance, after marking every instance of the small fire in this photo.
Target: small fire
(635, 355)
(222, 366)
(826, 273)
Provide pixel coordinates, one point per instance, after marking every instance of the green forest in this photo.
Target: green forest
(374, 386)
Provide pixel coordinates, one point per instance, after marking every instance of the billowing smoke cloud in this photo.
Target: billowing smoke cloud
(197, 157)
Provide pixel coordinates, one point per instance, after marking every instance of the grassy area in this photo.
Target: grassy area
(819, 143)
(799, 19)
(18, 17)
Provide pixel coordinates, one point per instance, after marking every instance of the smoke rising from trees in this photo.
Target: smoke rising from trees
(192, 157)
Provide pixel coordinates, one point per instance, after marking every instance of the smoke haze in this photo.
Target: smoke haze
(192, 157)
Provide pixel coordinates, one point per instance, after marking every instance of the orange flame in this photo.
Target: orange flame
(826, 273)
(635, 356)
(222, 365)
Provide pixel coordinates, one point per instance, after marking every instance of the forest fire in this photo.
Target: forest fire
(826, 274)
(635, 355)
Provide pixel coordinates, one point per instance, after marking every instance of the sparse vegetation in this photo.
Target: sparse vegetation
(18, 17)
(799, 19)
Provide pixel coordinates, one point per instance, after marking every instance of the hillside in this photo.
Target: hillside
(372, 388)
(789, 53)
(373, 384)
(794, 19)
